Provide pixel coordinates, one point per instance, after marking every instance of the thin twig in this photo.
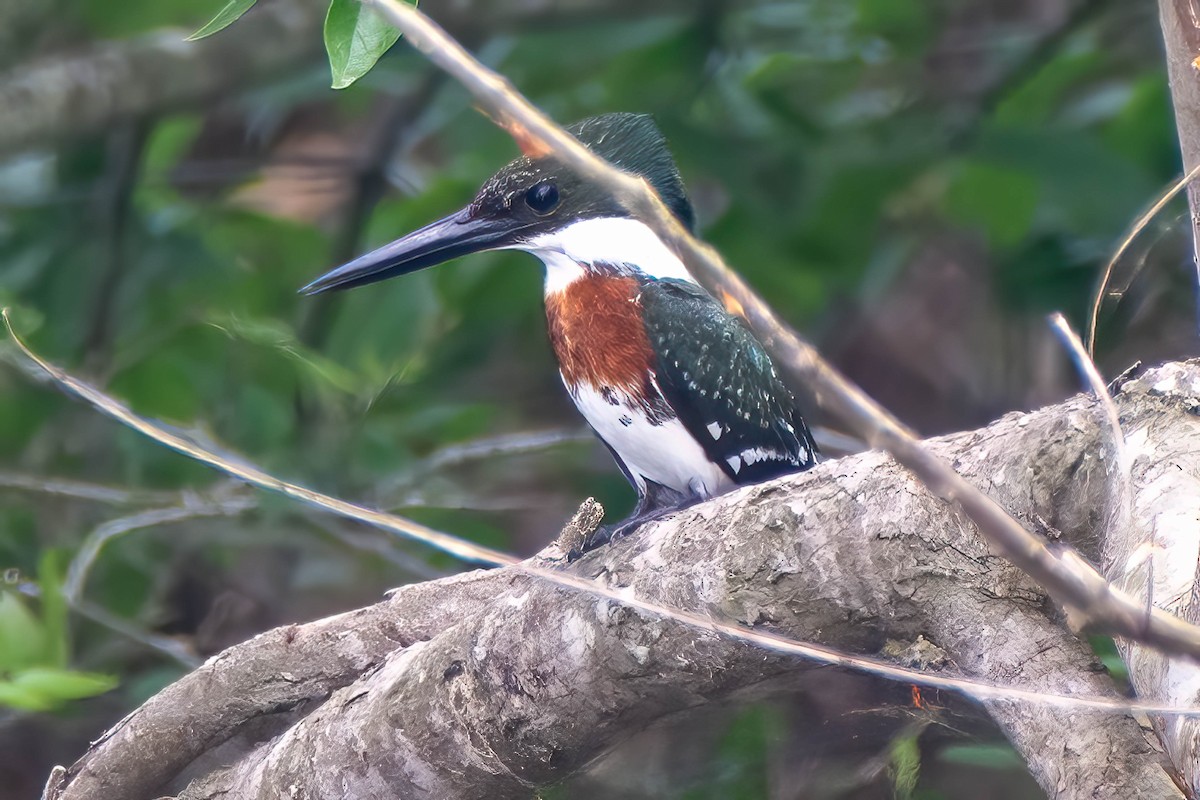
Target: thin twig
(1133, 233)
(1067, 578)
(164, 644)
(80, 490)
(455, 455)
(1122, 475)
(193, 508)
(241, 470)
(543, 569)
(506, 445)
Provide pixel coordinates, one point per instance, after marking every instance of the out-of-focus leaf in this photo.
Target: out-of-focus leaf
(144, 685)
(130, 17)
(906, 24)
(161, 386)
(355, 38)
(1001, 201)
(992, 756)
(1041, 97)
(280, 337)
(229, 14)
(54, 610)
(904, 766)
(57, 685)
(22, 636)
(1144, 130)
(1085, 187)
(740, 770)
(22, 698)
(1106, 649)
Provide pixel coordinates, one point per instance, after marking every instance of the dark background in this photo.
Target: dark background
(914, 185)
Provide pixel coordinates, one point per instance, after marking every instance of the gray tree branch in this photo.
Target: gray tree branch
(1181, 36)
(1156, 556)
(61, 97)
(489, 684)
(57, 97)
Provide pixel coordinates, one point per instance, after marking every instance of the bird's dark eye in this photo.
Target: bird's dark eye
(542, 198)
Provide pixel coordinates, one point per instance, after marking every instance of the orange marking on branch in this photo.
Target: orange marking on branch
(732, 304)
(530, 145)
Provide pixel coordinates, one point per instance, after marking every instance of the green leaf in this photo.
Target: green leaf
(63, 684)
(355, 38)
(997, 198)
(228, 15)
(904, 766)
(54, 610)
(15, 696)
(47, 688)
(22, 637)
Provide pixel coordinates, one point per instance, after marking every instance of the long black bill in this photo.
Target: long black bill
(456, 235)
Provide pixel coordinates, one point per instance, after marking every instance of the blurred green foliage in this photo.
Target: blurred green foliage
(35, 647)
(835, 151)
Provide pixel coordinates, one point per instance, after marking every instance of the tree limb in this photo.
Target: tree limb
(1156, 557)
(57, 98)
(1181, 35)
(487, 684)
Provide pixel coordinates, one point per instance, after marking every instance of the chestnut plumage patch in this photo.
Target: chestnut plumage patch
(598, 335)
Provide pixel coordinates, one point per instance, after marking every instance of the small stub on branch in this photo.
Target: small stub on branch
(581, 526)
(921, 654)
(732, 304)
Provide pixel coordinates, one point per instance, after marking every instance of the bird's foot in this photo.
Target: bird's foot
(604, 534)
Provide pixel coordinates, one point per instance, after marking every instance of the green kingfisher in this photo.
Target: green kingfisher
(677, 387)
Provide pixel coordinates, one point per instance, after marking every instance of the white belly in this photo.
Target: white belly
(665, 453)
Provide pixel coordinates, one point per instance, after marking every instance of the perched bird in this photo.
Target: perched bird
(676, 387)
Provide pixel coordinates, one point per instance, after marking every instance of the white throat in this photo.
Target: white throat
(606, 240)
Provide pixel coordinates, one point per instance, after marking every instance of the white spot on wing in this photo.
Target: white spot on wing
(754, 455)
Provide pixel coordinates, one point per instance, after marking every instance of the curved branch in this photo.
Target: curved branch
(486, 684)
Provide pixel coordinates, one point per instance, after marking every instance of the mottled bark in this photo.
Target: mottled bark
(491, 683)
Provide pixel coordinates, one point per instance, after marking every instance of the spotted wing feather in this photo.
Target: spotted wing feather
(721, 383)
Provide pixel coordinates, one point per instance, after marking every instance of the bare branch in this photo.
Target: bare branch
(980, 690)
(193, 507)
(80, 490)
(485, 684)
(59, 98)
(1138, 226)
(252, 475)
